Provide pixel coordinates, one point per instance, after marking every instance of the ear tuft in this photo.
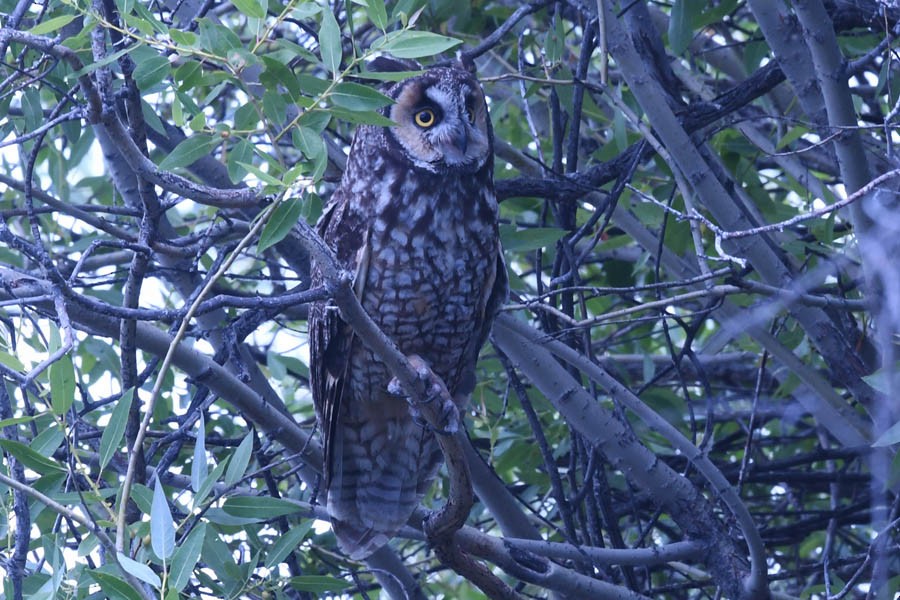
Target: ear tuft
(465, 63)
(391, 64)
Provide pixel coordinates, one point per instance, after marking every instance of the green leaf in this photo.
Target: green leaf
(115, 588)
(681, 23)
(358, 97)
(792, 135)
(199, 468)
(47, 441)
(309, 142)
(186, 557)
(286, 544)
(208, 482)
(31, 459)
(11, 361)
(276, 74)
(216, 38)
(415, 44)
(261, 175)
(148, 17)
(52, 25)
(387, 75)
(529, 239)
(218, 516)
(115, 429)
(111, 58)
(237, 466)
(242, 152)
(251, 8)
(62, 384)
(151, 71)
(377, 12)
(139, 570)
(259, 507)
(889, 437)
(330, 42)
(190, 150)
(274, 106)
(280, 223)
(16, 421)
(183, 38)
(143, 497)
(318, 584)
(162, 526)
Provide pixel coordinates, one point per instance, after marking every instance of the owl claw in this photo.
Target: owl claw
(443, 417)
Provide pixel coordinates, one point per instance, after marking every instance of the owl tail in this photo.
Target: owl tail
(377, 482)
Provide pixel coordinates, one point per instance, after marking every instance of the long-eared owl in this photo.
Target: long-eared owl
(415, 218)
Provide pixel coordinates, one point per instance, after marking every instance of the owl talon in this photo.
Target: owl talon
(444, 416)
(451, 420)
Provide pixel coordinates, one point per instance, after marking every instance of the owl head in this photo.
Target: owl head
(442, 122)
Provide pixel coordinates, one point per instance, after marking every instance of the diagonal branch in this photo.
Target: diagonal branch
(530, 351)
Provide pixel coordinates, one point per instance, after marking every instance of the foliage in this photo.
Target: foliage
(697, 358)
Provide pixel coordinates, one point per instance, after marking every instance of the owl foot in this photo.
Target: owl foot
(435, 410)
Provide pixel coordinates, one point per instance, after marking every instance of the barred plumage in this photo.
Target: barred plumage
(415, 218)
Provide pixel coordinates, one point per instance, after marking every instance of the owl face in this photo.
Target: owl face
(442, 121)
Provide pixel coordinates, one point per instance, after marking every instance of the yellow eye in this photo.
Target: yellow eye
(425, 118)
(470, 113)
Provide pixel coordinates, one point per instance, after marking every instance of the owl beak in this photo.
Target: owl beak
(461, 140)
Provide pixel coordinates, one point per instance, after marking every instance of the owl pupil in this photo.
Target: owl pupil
(425, 118)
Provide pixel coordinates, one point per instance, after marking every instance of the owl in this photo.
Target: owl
(415, 219)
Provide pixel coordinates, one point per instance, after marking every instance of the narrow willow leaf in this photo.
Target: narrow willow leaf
(143, 497)
(199, 468)
(259, 507)
(530, 239)
(139, 570)
(151, 71)
(31, 459)
(377, 12)
(309, 142)
(681, 23)
(162, 527)
(183, 38)
(186, 557)
(354, 96)
(889, 437)
(187, 152)
(318, 584)
(114, 587)
(48, 440)
(115, 429)
(62, 384)
(368, 117)
(52, 25)
(111, 58)
(207, 484)
(283, 218)
(330, 42)
(237, 466)
(16, 421)
(286, 543)
(415, 44)
(251, 8)
(260, 174)
(11, 361)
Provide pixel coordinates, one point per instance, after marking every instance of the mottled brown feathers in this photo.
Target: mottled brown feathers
(415, 218)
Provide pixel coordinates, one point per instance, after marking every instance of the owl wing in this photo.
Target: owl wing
(496, 292)
(331, 339)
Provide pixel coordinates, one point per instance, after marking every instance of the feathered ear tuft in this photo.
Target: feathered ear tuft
(391, 64)
(465, 63)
